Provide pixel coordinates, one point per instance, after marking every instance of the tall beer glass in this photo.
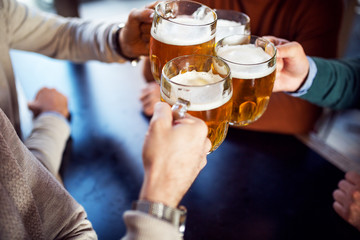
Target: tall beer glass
(180, 28)
(230, 22)
(252, 61)
(200, 85)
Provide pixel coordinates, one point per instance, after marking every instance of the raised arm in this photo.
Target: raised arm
(73, 38)
(327, 83)
(174, 153)
(51, 128)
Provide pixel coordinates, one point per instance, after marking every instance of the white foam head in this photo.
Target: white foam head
(227, 23)
(194, 78)
(199, 89)
(246, 61)
(226, 28)
(188, 31)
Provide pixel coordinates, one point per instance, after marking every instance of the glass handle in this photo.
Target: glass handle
(179, 109)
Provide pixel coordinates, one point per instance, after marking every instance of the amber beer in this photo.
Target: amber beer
(253, 72)
(161, 53)
(251, 97)
(207, 96)
(180, 28)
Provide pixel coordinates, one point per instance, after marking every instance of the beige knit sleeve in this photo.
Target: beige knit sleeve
(74, 39)
(141, 226)
(48, 139)
(39, 206)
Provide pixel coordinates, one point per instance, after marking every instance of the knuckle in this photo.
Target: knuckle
(335, 193)
(341, 184)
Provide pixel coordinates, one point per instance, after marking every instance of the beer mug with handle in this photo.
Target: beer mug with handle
(201, 86)
(180, 28)
(252, 61)
(230, 22)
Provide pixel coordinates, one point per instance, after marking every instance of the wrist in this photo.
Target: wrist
(66, 118)
(301, 82)
(307, 79)
(154, 190)
(116, 44)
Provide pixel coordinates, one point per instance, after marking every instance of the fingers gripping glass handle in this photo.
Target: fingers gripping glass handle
(179, 109)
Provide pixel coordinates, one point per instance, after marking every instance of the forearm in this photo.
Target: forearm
(47, 140)
(64, 38)
(336, 85)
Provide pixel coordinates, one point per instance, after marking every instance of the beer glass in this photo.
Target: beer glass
(200, 85)
(180, 28)
(230, 22)
(252, 61)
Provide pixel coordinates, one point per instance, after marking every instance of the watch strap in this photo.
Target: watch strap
(175, 216)
(117, 47)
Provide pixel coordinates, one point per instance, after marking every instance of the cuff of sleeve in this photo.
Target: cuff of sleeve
(140, 225)
(308, 81)
(57, 115)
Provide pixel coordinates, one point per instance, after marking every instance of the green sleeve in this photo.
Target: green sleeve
(336, 85)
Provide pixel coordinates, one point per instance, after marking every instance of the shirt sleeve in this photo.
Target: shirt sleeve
(336, 84)
(74, 39)
(141, 226)
(41, 206)
(48, 138)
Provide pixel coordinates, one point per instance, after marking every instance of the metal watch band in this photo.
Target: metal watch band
(175, 216)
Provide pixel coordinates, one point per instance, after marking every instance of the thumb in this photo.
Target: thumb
(162, 114)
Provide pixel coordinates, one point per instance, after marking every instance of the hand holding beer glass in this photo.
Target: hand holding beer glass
(252, 61)
(180, 28)
(201, 86)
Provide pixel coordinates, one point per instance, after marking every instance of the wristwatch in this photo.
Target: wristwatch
(175, 216)
(116, 44)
